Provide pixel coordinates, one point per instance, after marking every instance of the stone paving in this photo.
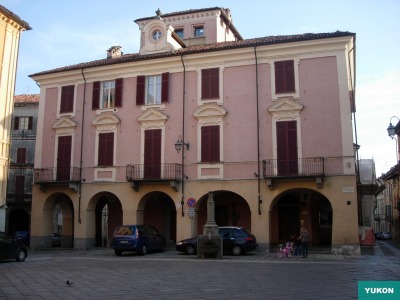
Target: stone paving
(99, 274)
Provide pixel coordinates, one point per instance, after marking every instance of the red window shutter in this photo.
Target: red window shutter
(286, 133)
(119, 84)
(284, 76)
(64, 158)
(67, 99)
(96, 95)
(210, 146)
(165, 87)
(210, 83)
(152, 153)
(21, 155)
(140, 90)
(30, 123)
(16, 123)
(106, 149)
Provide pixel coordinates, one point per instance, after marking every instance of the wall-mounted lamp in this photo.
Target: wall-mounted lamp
(180, 143)
(391, 129)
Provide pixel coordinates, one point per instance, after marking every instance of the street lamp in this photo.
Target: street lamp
(180, 143)
(391, 129)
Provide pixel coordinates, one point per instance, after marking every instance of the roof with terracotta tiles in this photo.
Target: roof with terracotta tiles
(27, 98)
(268, 40)
(15, 17)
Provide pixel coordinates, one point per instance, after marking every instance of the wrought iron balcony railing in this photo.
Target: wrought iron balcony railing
(302, 167)
(56, 175)
(157, 172)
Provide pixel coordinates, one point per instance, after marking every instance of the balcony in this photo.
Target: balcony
(306, 168)
(150, 174)
(49, 176)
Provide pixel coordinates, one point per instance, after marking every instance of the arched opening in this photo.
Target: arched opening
(18, 220)
(295, 207)
(108, 215)
(231, 209)
(158, 209)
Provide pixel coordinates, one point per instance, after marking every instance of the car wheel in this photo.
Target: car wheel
(117, 252)
(190, 249)
(236, 250)
(144, 250)
(21, 255)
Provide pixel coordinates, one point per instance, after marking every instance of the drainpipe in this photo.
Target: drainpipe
(258, 137)
(183, 139)
(81, 160)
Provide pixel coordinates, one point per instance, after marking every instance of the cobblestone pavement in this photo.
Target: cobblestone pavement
(99, 274)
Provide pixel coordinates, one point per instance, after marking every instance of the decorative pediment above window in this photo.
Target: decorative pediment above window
(64, 125)
(152, 117)
(210, 113)
(285, 108)
(106, 121)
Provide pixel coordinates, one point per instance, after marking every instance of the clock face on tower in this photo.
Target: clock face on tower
(157, 34)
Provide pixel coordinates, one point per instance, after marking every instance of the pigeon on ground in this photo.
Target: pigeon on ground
(69, 283)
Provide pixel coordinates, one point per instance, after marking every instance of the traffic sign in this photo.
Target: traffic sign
(191, 202)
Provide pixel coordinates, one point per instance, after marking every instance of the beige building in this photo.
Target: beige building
(11, 27)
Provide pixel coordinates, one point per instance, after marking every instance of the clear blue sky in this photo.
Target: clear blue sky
(75, 31)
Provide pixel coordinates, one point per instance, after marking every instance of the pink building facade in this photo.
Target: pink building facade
(265, 124)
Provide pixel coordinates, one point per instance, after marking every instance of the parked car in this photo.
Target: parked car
(235, 240)
(138, 238)
(378, 235)
(55, 239)
(386, 236)
(11, 248)
(23, 237)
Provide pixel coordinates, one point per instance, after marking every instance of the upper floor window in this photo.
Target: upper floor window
(152, 89)
(284, 77)
(67, 99)
(198, 31)
(107, 94)
(210, 83)
(210, 147)
(23, 123)
(106, 149)
(179, 32)
(21, 155)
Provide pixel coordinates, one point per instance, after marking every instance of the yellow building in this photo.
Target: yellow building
(11, 27)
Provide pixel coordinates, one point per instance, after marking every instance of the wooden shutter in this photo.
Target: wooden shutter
(286, 134)
(210, 83)
(30, 123)
(67, 99)
(210, 146)
(16, 123)
(96, 95)
(284, 76)
(64, 158)
(140, 90)
(19, 187)
(106, 149)
(119, 84)
(21, 155)
(152, 154)
(165, 87)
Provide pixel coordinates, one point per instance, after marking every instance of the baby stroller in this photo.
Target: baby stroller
(285, 250)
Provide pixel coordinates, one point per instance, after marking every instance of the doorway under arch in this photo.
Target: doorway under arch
(294, 208)
(18, 220)
(231, 209)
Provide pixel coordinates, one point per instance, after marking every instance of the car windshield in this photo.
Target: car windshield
(124, 230)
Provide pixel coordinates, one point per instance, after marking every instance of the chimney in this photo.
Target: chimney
(114, 52)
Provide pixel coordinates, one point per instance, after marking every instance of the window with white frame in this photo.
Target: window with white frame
(153, 90)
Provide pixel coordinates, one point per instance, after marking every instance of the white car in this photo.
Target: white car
(386, 236)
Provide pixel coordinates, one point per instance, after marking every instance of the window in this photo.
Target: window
(67, 99)
(286, 139)
(152, 90)
(23, 123)
(210, 144)
(21, 155)
(19, 188)
(106, 149)
(284, 77)
(107, 94)
(210, 83)
(157, 35)
(198, 31)
(179, 33)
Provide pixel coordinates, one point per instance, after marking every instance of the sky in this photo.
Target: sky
(76, 31)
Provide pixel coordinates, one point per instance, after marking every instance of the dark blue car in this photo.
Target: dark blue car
(23, 237)
(138, 238)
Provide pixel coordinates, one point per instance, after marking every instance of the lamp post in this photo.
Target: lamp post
(392, 132)
(180, 143)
